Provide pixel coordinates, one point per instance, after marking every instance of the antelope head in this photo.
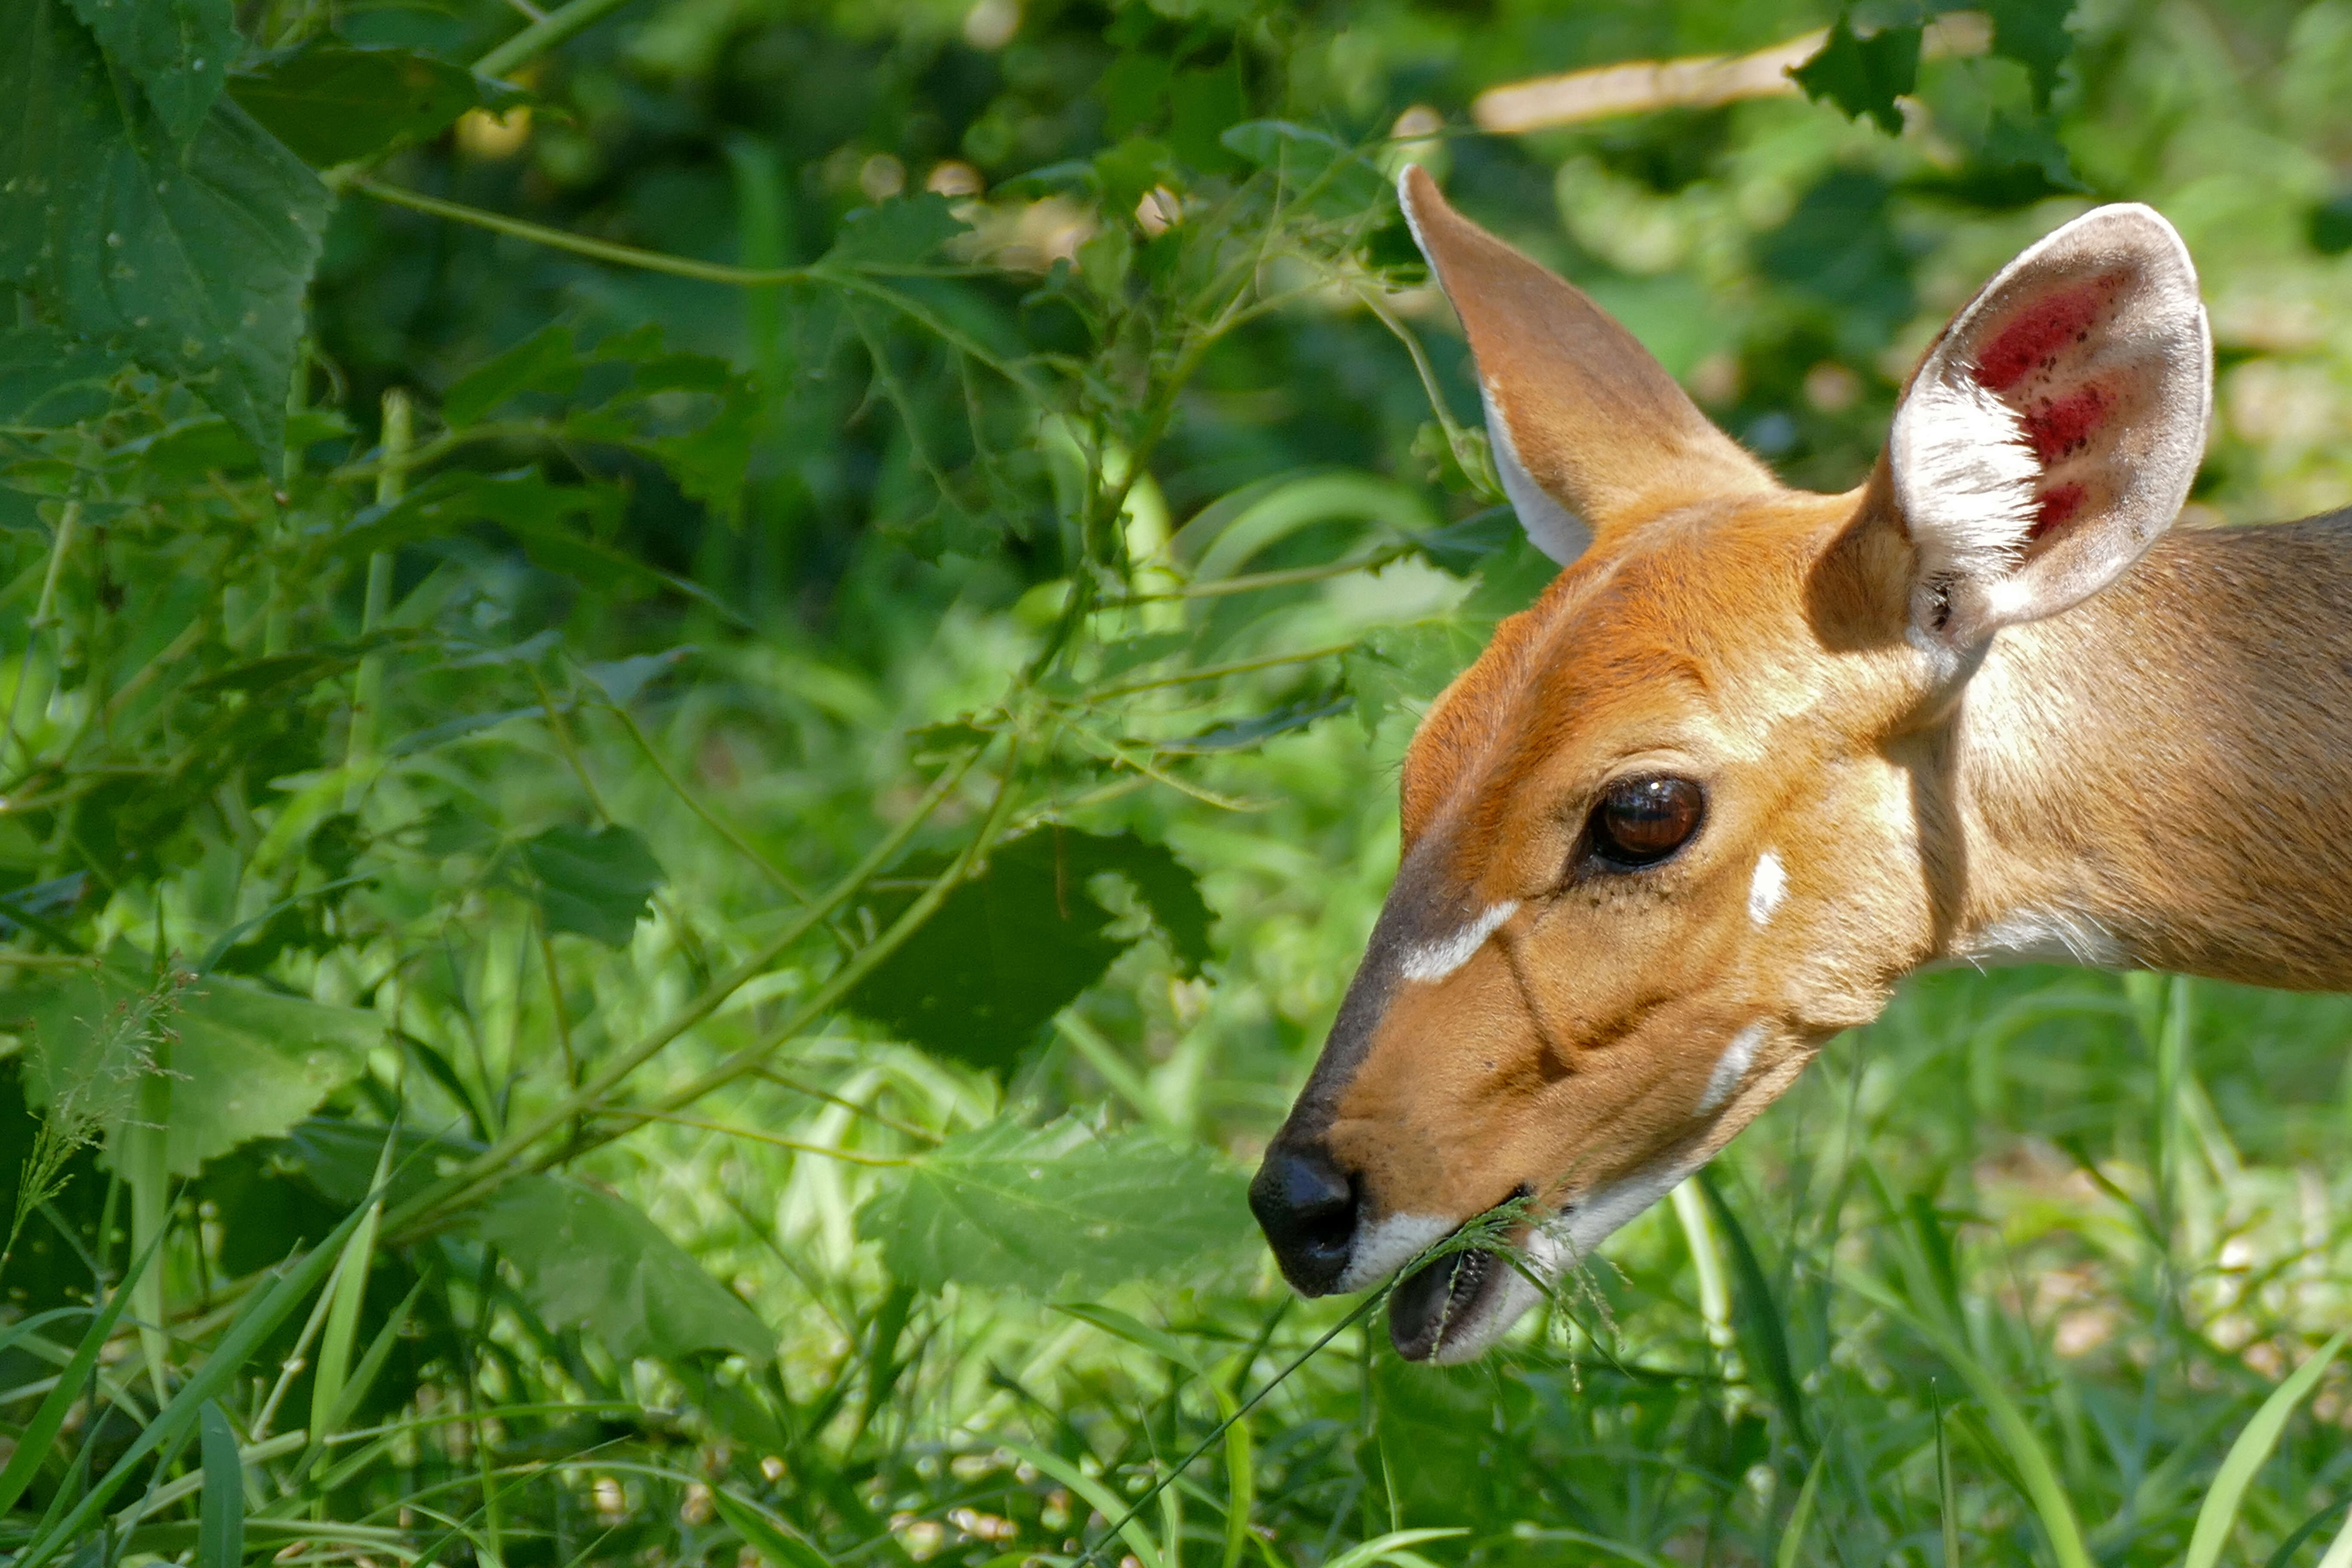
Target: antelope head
(1695, 812)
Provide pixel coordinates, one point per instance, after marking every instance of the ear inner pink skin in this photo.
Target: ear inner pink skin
(2040, 334)
(2063, 426)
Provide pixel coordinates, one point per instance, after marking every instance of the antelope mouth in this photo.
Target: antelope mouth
(1445, 1302)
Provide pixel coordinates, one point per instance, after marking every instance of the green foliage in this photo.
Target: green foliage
(1020, 939)
(592, 1262)
(333, 103)
(597, 882)
(1059, 1207)
(996, 616)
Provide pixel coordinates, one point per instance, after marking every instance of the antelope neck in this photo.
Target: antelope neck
(2161, 775)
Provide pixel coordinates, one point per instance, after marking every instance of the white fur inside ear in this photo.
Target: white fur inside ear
(1964, 477)
(1551, 526)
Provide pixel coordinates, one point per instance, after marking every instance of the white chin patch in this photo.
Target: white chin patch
(1552, 1249)
(1386, 1246)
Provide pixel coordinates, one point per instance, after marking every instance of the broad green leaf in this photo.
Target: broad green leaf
(49, 379)
(2033, 33)
(220, 1532)
(592, 881)
(592, 1262)
(1043, 1209)
(179, 52)
(333, 101)
(246, 1062)
(195, 258)
(1866, 75)
(1403, 669)
(1015, 944)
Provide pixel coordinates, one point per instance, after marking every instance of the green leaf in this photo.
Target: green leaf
(595, 882)
(765, 1534)
(220, 1532)
(50, 379)
(1015, 944)
(590, 1261)
(1201, 104)
(2218, 1513)
(195, 258)
(1404, 668)
(333, 102)
(1044, 1209)
(178, 51)
(547, 361)
(1865, 76)
(2033, 33)
(903, 231)
(246, 1063)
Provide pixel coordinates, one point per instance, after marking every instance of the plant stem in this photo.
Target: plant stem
(578, 245)
(367, 689)
(551, 31)
(45, 613)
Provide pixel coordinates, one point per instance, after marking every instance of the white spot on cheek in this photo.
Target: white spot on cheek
(1435, 960)
(1731, 1067)
(1770, 886)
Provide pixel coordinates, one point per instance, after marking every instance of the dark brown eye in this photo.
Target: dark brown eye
(1640, 822)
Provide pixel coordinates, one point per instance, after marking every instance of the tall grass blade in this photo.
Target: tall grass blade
(251, 1326)
(1758, 1315)
(33, 1443)
(2218, 1514)
(2339, 1551)
(220, 1534)
(764, 1533)
(1946, 1500)
(348, 1290)
(2019, 1443)
(1104, 1501)
(1391, 1548)
(1801, 1517)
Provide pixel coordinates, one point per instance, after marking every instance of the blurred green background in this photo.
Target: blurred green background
(660, 925)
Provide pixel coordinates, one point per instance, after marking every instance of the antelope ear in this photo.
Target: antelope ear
(1589, 432)
(2051, 432)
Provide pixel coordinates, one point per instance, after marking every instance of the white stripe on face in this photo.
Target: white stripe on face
(1731, 1067)
(1770, 886)
(1432, 960)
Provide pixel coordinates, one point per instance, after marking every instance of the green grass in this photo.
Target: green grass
(681, 960)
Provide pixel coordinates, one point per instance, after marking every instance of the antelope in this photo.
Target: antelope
(1757, 755)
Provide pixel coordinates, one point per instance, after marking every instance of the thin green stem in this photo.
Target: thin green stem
(580, 245)
(45, 613)
(710, 819)
(549, 32)
(367, 688)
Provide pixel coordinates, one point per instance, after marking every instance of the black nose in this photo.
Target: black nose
(1307, 1209)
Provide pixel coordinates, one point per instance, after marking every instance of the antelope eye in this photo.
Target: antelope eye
(1641, 821)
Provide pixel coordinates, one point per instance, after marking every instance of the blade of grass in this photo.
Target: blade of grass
(1391, 1548)
(348, 1290)
(2219, 1515)
(33, 1443)
(2035, 1474)
(220, 1533)
(764, 1533)
(1104, 1501)
(253, 1324)
(1801, 1517)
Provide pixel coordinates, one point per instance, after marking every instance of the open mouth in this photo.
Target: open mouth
(1441, 1297)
